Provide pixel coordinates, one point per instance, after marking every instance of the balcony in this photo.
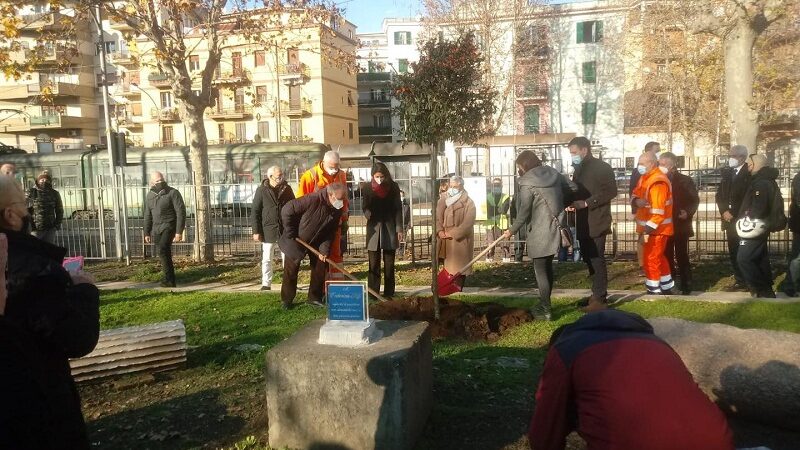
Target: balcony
(120, 25)
(121, 57)
(169, 114)
(294, 73)
(236, 77)
(45, 21)
(375, 131)
(53, 55)
(375, 103)
(130, 121)
(128, 90)
(297, 139)
(159, 80)
(234, 112)
(296, 108)
(374, 77)
(534, 94)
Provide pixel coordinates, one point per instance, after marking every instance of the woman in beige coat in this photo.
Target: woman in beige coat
(455, 217)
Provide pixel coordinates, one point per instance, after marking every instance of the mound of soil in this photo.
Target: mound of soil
(470, 321)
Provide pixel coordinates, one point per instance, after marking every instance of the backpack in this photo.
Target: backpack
(777, 218)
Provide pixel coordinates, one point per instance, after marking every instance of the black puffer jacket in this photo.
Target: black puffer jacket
(794, 207)
(164, 210)
(313, 219)
(64, 321)
(46, 208)
(758, 198)
(266, 215)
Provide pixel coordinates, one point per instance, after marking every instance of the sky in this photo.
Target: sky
(368, 15)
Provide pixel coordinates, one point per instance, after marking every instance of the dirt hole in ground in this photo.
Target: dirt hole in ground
(471, 321)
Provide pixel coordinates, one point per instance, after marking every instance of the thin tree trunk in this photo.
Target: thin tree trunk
(739, 84)
(198, 154)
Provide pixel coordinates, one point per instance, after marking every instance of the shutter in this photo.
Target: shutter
(396, 38)
(598, 31)
(580, 39)
(403, 65)
(589, 72)
(531, 119)
(589, 113)
(408, 38)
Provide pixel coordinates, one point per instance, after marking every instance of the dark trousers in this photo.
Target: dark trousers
(291, 268)
(792, 283)
(374, 277)
(733, 250)
(678, 257)
(593, 251)
(543, 269)
(163, 242)
(753, 259)
(519, 246)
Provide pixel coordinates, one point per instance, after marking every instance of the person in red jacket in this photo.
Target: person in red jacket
(609, 377)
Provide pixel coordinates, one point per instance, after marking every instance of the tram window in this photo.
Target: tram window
(177, 173)
(68, 176)
(218, 170)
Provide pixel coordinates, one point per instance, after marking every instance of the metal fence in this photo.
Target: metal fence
(90, 233)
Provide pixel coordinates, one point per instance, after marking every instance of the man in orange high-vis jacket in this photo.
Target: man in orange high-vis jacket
(653, 198)
(322, 174)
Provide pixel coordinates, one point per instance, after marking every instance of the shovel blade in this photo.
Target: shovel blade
(449, 284)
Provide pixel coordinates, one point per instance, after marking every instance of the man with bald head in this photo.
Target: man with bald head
(729, 197)
(9, 169)
(265, 218)
(164, 222)
(653, 198)
(324, 173)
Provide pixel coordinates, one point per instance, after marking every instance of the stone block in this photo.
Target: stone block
(753, 374)
(371, 397)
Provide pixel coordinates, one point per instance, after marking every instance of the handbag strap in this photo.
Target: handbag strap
(549, 208)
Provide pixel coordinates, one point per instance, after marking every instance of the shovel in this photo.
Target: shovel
(339, 268)
(450, 284)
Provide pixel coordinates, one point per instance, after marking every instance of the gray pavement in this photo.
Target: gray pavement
(616, 296)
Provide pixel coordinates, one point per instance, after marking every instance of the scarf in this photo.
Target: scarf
(380, 189)
(450, 200)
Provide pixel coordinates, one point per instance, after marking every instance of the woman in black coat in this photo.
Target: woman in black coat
(384, 213)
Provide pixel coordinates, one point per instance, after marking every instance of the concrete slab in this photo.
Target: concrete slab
(372, 397)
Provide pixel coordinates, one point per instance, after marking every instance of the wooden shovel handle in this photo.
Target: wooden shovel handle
(338, 267)
(480, 255)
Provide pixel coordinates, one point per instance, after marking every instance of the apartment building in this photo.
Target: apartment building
(297, 90)
(54, 107)
(381, 56)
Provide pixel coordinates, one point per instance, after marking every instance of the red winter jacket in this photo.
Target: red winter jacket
(622, 388)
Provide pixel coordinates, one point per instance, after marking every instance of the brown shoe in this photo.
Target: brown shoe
(595, 304)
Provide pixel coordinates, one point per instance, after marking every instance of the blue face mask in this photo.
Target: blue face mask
(576, 159)
(452, 192)
(497, 190)
(641, 169)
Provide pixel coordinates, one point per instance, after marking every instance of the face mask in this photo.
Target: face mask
(332, 172)
(497, 190)
(663, 170)
(642, 169)
(338, 204)
(378, 180)
(733, 163)
(452, 192)
(158, 186)
(576, 159)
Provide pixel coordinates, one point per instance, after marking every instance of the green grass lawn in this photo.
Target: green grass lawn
(217, 400)
(709, 275)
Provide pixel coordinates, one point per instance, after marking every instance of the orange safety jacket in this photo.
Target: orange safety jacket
(316, 178)
(655, 188)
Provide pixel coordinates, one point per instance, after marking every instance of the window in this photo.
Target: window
(350, 130)
(402, 38)
(261, 95)
(532, 119)
(194, 63)
(241, 131)
(294, 96)
(263, 130)
(166, 134)
(402, 65)
(292, 56)
(349, 98)
(196, 92)
(236, 59)
(261, 58)
(221, 131)
(111, 46)
(590, 72)
(238, 98)
(166, 99)
(661, 69)
(296, 129)
(371, 67)
(531, 87)
(588, 32)
(589, 113)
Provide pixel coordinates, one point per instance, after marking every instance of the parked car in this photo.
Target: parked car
(707, 179)
(623, 177)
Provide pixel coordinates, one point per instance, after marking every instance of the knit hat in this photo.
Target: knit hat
(44, 174)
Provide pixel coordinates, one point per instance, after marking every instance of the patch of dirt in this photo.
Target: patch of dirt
(470, 321)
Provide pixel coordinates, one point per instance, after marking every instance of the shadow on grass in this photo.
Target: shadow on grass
(189, 421)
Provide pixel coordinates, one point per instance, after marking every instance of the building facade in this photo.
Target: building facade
(292, 92)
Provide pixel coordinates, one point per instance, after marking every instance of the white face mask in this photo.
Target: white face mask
(378, 180)
(452, 192)
(642, 169)
(338, 204)
(331, 172)
(733, 163)
(663, 170)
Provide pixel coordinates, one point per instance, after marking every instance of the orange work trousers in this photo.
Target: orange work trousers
(336, 256)
(656, 264)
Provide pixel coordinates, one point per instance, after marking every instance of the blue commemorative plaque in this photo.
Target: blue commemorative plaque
(347, 300)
